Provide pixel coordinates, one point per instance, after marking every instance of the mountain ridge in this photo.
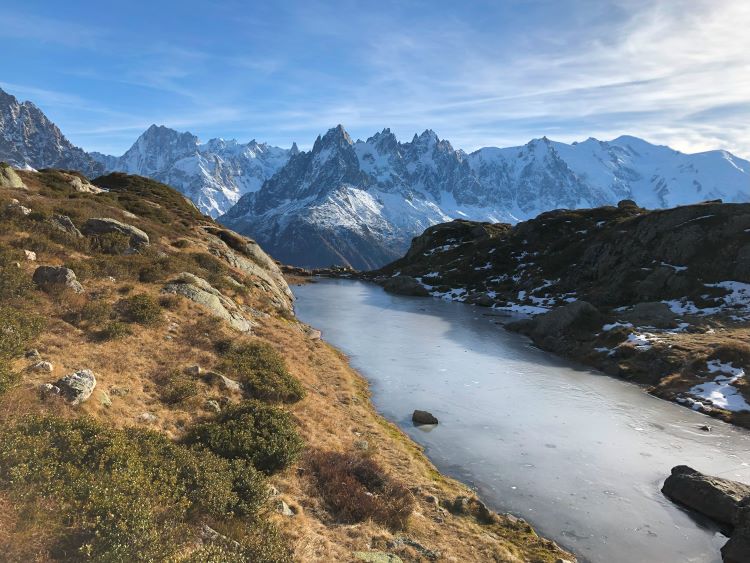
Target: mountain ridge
(367, 199)
(359, 203)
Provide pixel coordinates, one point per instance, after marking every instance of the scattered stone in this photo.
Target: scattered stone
(213, 406)
(423, 417)
(33, 354)
(273, 491)
(283, 508)
(49, 277)
(65, 224)
(104, 399)
(200, 291)
(705, 428)
(312, 333)
(377, 557)
(103, 225)
(432, 499)
(15, 208)
(717, 498)
(193, 370)
(30, 255)
(43, 366)
(223, 381)
(148, 417)
(78, 386)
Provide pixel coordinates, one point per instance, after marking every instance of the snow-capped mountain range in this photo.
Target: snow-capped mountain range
(213, 174)
(360, 203)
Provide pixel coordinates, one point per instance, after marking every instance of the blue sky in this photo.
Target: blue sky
(497, 73)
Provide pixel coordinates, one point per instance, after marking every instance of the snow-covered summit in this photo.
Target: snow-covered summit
(214, 174)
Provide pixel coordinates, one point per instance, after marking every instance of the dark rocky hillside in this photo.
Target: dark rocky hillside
(660, 297)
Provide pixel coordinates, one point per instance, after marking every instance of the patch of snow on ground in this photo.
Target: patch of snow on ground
(736, 301)
(720, 392)
(610, 326)
(675, 268)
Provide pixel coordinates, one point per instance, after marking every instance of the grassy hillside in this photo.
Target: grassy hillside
(159, 401)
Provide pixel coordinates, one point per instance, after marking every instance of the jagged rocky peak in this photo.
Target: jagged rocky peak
(336, 137)
(29, 140)
(294, 151)
(384, 141)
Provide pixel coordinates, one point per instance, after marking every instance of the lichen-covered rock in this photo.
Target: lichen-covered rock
(9, 178)
(78, 386)
(103, 225)
(65, 224)
(50, 277)
(80, 184)
(200, 291)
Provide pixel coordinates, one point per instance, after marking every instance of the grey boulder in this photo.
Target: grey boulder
(50, 277)
(104, 225)
(78, 386)
(717, 498)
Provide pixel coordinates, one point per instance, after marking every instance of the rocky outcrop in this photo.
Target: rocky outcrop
(104, 225)
(77, 387)
(560, 321)
(717, 498)
(247, 256)
(200, 291)
(51, 277)
(81, 183)
(405, 285)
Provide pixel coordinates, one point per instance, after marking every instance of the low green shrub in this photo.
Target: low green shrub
(96, 312)
(261, 434)
(177, 387)
(114, 330)
(262, 371)
(17, 330)
(14, 282)
(261, 543)
(141, 308)
(123, 495)
(356, 489)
